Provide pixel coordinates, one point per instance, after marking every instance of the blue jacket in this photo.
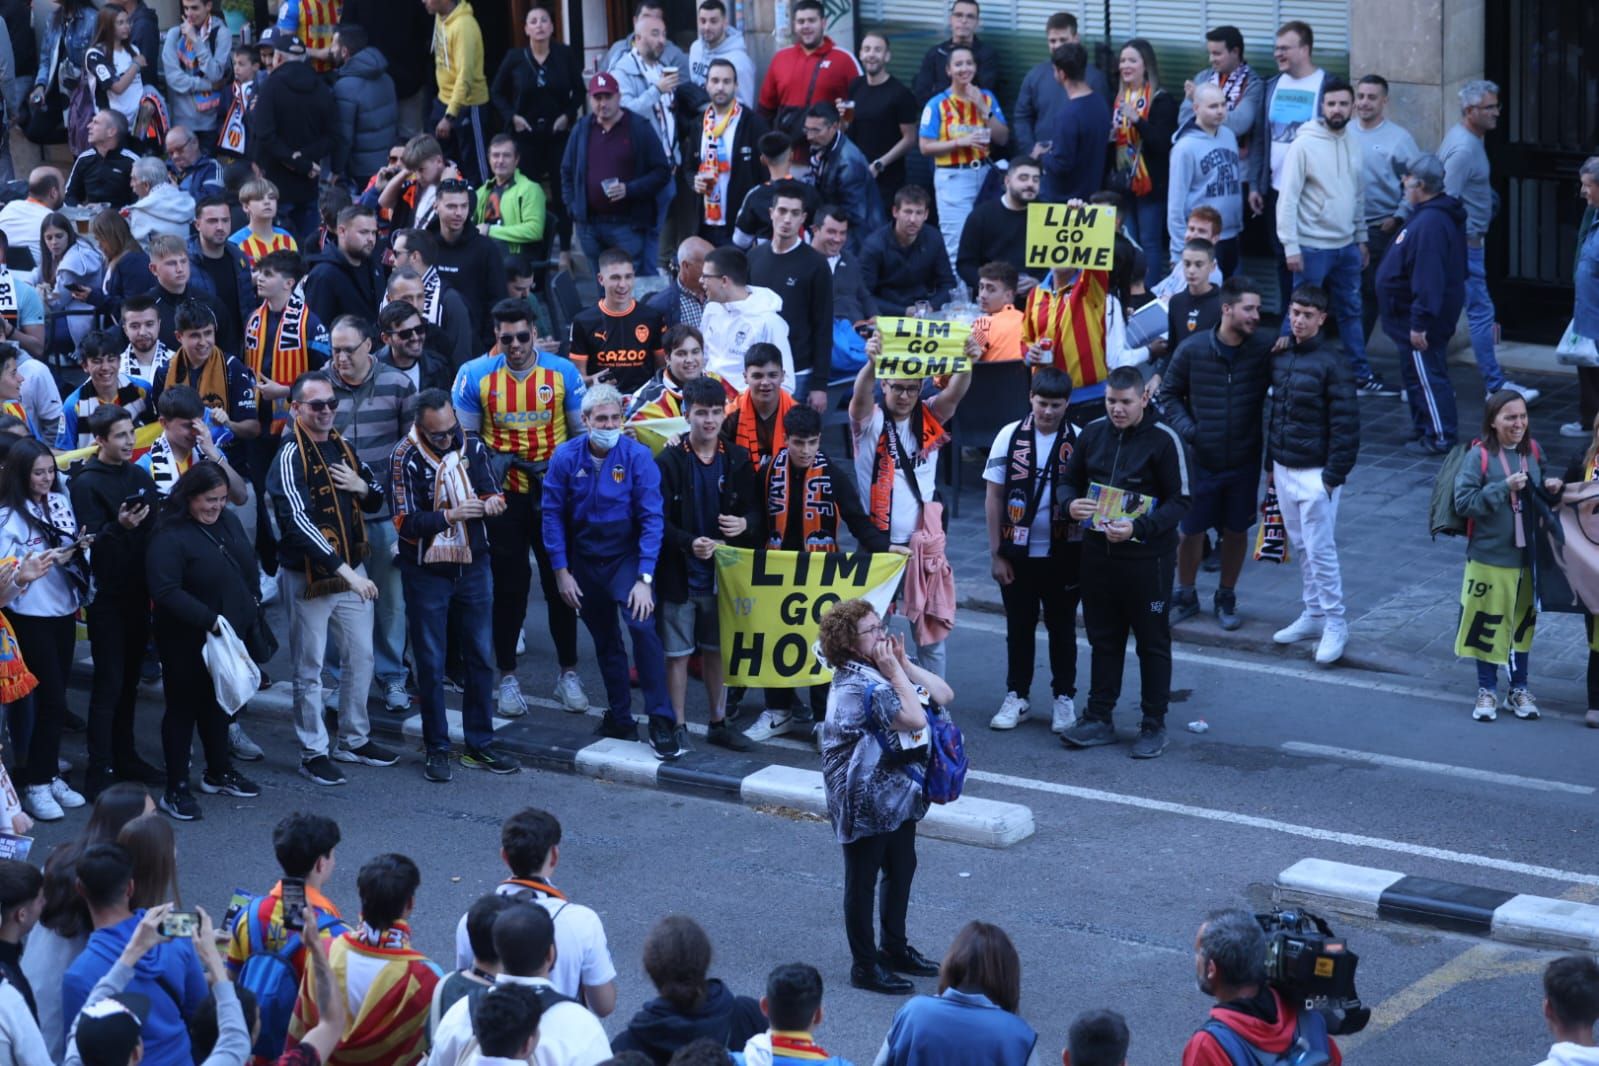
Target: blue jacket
(1421, 281)
(169, 975)
(613, 513)
(79, 29)
(201, 180)
(244, 287)
(1585, 317)
(650, 172)
(955, 1029)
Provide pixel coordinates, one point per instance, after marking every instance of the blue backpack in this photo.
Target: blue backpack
(272, 978)
(1310, 1046)
(944, 775)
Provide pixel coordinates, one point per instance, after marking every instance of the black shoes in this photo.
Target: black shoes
(879, 978)
(663, 738)
(1225, 608)
(1150, 743)
(437, 766)
(180, 804)
(228, 783)
(1089, 733)
(617, 730)
(908, 961)
(491, 759)
(1184, 605)
(724, 736)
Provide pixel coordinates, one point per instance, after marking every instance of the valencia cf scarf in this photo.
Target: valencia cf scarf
(929, 432)
(8, 296)
(1024, 488)
(818, 511)
(290, 355)
(1129, 158)
(746, 427)
(347, 538)
(213, 383)
(235, 134)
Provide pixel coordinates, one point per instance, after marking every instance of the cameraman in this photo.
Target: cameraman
(1249, 1016)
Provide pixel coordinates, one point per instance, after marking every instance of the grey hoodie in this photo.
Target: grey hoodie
(1205, 169)
(642, 96)
(1321, 202)
(186, 87)
(731, 48)
(167, 209)
(672, 56)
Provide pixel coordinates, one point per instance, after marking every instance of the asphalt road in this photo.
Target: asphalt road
(1102, 902)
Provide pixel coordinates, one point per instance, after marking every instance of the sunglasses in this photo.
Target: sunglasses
(349, 350)
(454, 185)
(409, 334)
(521, 337)
(320, 405)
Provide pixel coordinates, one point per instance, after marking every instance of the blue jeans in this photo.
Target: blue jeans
(1338, 271)
(1480, 320)
(652, 239)
(605, 586)
(597, 236)
(1488, 673)
(1149, 219)
(441, 596)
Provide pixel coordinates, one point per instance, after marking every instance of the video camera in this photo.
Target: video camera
(1313, 969)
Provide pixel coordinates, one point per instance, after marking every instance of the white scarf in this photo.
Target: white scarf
(451, 488)
(133, 368)
(432, 291)
(8, 296)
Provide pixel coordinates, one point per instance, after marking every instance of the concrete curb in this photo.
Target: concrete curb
(1366, 892)
(970, 820)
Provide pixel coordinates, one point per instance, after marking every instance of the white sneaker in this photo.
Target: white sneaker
(1304, 627)
(521, 641)
(395, 698)
(64, 795)
(770, 724)
(1528, 393)
(1011, 713)
(1487, 708)
(1572, 429)
(1333, 639)
(41, 804)
(241, 746)
(1063, 715)
(269, 587)
(511, 704)
(1521, 702)
(569, 692)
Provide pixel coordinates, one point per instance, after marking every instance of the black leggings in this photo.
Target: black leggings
(118, 633)
(46, 644)
(191, 707)
(892, 854)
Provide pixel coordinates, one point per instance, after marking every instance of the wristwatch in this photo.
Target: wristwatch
(648, 579)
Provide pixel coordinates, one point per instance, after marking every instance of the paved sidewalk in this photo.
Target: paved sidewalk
(1402, 588)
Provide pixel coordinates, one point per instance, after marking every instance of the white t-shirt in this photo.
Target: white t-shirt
(994, 471)
(1292, 105)
(568, 1034)
(582, 956)
(904, 512)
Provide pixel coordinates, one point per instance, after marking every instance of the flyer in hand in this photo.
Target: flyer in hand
(1113, 505)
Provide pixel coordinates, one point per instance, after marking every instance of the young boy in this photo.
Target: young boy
(708, 487)
(282, 339)
(1197, 308)
(185, 432)
(238, 103)
(1097, 1038)
(261, 236)
(1204, 224)
(1570, 1007)
(105, 384)
(793, 1006)
(755, 417)
(410, 198)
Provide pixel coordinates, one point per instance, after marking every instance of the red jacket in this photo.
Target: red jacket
(1273, 1036)
(788, 77)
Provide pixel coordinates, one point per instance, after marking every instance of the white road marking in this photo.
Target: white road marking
(1492, 777)
(1347, 678)
(1356, 840)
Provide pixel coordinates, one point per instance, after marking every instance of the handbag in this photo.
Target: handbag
(1576, 350)
(259, 641)
(234, 674)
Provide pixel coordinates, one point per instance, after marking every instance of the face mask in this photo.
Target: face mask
(605, 439)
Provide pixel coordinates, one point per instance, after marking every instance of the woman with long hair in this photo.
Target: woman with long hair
(874, 711)
(67, 266)
(149, 841)
(201, 568)
(59, 938)
(1491, 491)
(1143, 120)
(36, 516)
(960, 127)
(116, 64)
(973, 1018)
(113, 809)
(127, 267)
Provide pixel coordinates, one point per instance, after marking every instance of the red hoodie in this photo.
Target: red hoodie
(1274, 1036)
(788, 77)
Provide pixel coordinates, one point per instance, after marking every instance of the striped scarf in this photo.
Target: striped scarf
(818, 512)
(348, 539)
(165, 466)
(132, 368)
(291, 356)
(1129, 142)
(451, 488)
(189, 60)
(929, 433)
(746, 431)
(235, 134)
(16, 680)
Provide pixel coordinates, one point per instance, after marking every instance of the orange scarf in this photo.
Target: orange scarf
(1129, 144)
(930, 436)
(746, 434)
(818, 515)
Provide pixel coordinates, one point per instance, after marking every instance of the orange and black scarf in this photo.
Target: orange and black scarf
(347, 538)
(1129, 142)
(818, 512)
(929, 432)
(212, 384)
(1024, 488)
(291, 356)
(746, 431)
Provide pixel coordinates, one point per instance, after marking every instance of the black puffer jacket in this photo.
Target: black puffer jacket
(1315, 416)
(1218, 402)
(1149, 459)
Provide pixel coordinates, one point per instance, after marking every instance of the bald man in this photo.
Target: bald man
(683, 301)
(20, 219)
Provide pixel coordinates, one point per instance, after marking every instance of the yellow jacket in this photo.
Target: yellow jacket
(458, 59)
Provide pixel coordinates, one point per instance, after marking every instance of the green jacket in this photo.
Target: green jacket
(1484, 498)
(521, 211)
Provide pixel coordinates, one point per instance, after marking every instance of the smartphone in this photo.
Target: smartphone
(293, 902)
(141, 499)
(180, 924)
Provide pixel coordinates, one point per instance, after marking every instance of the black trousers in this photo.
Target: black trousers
(46, 643)
(1587, 395)
(118, 633)
(1047, 583)
(1123, 596)
(893, 855)
(510, 535)
(191, 707)
(1377, 244)
(784, 699)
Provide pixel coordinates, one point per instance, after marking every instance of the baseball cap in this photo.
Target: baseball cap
(603, 83)
(1427, 169)
(109, 1030)
(281, 41)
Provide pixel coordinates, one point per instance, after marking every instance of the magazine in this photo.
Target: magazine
(1113, 505)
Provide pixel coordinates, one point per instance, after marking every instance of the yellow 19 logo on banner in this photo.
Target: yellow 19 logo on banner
(922, 348)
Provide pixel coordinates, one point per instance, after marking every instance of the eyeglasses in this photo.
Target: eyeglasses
(409, 334)
(320, 405)
(709, 277)
(876, 627)
(348, 350)
(900, 388)
(520, 337)
(444, 436)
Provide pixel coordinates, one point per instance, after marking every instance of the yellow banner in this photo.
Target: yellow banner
(143, 437)
(655, 432)
(922, 348)
(1076, 238)
(770, 604)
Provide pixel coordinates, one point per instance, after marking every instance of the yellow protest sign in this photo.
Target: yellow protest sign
(1077, 238)
(922, 348)
(770, 604)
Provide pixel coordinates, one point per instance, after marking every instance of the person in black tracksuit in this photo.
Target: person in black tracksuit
(1127, 564)
(119, 614)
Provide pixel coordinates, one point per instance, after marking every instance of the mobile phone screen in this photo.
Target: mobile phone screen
(293, 902)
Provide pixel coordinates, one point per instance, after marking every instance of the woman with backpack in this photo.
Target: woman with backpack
(1496, 598)
(876, 727)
